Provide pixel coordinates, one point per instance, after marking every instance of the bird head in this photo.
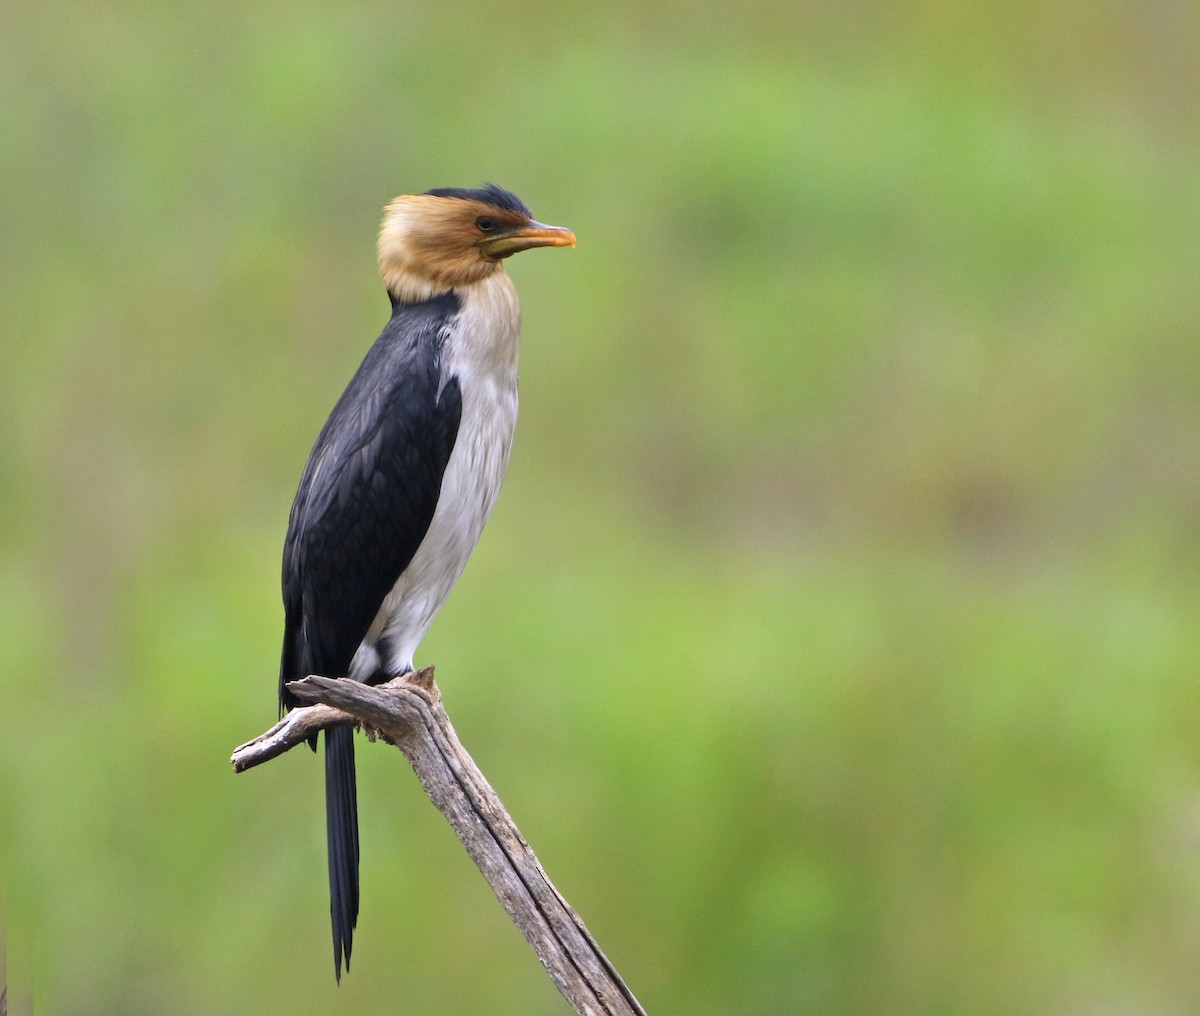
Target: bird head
(433, 242)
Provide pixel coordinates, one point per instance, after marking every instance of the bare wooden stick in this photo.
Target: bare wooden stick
(408, 713)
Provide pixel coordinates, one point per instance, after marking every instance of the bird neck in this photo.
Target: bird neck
(487, 331)
(406, 284)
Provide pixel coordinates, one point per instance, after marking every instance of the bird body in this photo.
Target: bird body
(480, 341)
(405, 471)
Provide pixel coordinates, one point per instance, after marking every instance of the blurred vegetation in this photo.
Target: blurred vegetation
(835, 640)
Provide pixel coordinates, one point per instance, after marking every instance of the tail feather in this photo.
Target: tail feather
(341, 826)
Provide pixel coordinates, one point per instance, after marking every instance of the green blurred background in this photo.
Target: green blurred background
(835, 639)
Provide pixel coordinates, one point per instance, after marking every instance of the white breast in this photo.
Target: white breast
(481, 351)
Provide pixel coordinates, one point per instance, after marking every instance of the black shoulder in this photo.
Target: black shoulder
(368, 491)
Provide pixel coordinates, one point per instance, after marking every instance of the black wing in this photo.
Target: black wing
(368, 492)
(365, 502)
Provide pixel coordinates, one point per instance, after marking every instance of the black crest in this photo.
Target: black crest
(489, 193)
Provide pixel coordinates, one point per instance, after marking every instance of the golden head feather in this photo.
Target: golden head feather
(433, 242)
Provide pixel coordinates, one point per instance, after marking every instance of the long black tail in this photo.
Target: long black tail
(341, 826)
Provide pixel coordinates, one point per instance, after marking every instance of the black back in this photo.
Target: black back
(368, 492)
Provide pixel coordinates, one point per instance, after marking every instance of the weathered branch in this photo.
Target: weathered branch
(408, 713)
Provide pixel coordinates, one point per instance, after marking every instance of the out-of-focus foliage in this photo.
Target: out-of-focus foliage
(835, 640)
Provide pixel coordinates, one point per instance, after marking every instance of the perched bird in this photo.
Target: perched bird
(405, 471)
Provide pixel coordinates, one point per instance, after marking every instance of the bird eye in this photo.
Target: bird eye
(486, 223)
